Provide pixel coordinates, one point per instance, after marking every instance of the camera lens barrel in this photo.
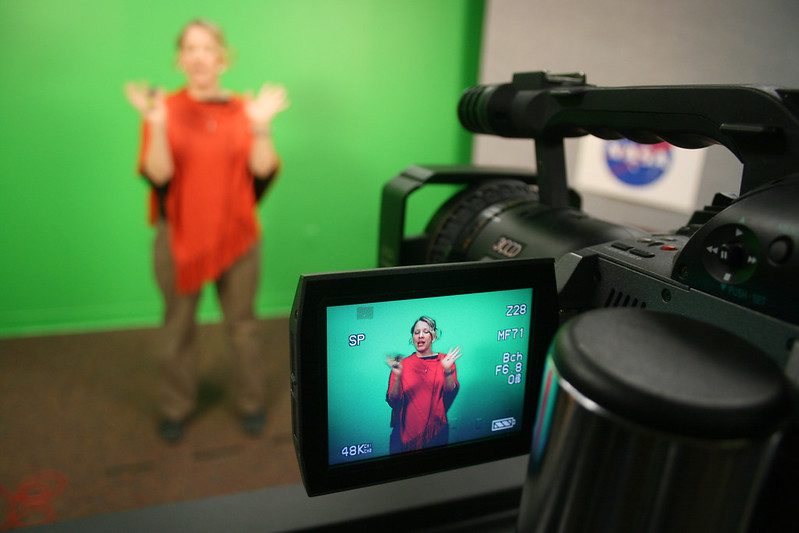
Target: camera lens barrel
(504, 219)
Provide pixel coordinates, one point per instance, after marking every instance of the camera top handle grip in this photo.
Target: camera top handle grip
(759, 125)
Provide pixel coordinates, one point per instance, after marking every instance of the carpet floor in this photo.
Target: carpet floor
(78, 417)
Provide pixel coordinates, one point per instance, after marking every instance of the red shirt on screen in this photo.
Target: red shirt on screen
(420, 412)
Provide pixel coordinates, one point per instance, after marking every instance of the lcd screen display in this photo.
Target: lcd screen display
(414, 374)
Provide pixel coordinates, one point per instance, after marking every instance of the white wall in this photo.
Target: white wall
(644, 42)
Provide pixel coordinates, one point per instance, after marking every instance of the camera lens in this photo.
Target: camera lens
(503, 219)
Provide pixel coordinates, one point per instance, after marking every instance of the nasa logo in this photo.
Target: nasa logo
(638, 164)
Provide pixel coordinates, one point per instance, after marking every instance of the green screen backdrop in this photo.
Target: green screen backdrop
(373, 86)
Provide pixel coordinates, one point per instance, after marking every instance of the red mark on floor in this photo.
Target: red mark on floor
(31, 503)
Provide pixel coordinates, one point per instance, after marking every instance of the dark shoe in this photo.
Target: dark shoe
(254, 423)
(171, 431)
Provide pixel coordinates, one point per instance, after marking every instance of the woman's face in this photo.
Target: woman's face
(201, 57)
(423, 337)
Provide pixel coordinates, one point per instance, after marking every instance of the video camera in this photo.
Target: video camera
(731, 268)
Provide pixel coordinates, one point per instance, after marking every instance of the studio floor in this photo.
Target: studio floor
(78, 416)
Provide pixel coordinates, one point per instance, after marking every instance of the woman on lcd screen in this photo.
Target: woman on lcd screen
(208, 155)
(421, 389)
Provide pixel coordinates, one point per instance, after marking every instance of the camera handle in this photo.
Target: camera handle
(759, 125)
(393, 245)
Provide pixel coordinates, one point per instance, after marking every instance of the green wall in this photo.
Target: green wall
(373, 86)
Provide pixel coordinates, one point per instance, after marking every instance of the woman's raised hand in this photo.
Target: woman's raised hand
(395, 364)
(148, 100)
(453, 355)
(263, 107)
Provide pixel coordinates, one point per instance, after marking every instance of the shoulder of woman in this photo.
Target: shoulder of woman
(234, 98)
(178, 98)
(178, 94)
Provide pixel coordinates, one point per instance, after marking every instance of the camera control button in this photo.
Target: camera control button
(642, 253)
(731, 253)
(621, 246)
(669, 247)
(779, 251)
(665, 237)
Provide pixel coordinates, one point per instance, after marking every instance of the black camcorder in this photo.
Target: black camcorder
(683, 343)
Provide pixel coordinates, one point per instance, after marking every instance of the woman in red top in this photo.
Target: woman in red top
(421, 389)
(207, 153)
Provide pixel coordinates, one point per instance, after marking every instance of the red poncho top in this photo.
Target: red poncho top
(210, 201)
(421, 409)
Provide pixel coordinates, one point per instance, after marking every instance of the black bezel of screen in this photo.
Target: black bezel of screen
(315, 293)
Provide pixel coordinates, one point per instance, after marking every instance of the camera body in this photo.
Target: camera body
(515, 240)
(733, 265)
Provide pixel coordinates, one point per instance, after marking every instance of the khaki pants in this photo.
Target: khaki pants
(236, 289)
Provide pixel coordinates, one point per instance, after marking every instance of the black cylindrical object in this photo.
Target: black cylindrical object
(504, 219)
(651, 422)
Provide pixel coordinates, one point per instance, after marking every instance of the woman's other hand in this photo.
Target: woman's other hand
(453, 355)
(262, 108)
(395, 364)
(148, 100)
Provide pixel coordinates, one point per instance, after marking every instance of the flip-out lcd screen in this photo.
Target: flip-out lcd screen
(400, 372)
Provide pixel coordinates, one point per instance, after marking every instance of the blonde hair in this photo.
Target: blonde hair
(206, 24)
(430, 323)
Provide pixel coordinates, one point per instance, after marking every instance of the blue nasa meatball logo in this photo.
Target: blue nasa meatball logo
(638, 164)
